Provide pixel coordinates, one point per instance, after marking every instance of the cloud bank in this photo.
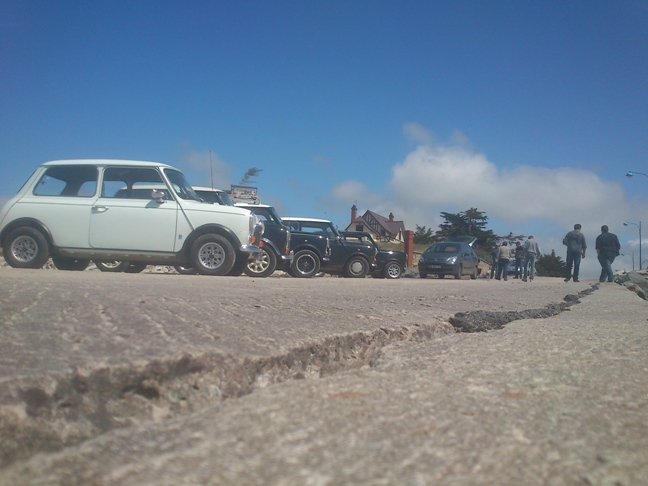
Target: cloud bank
(545, 202)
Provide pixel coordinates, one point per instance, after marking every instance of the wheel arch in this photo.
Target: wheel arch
(312, 248)
(30, 223)
(217, 229)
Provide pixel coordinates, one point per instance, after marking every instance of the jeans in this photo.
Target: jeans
(606, 267)
(529, 265)
(573, 259)
(502, 264)
(518, 267)
(493, 268)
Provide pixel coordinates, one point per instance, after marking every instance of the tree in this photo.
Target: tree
(550, 265)
(471, 222)
(251, 172)
(423, 235)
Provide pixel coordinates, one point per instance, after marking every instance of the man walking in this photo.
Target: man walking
(607, 249)
(576, 246)
(531, 252)
(503, 258)
(519, 256)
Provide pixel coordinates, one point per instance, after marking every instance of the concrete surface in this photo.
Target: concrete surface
(123, 379)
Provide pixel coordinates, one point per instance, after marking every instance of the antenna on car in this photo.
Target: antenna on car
(211, 169)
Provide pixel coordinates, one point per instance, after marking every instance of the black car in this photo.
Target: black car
(389, 263)
(452, 256)
(275, 249)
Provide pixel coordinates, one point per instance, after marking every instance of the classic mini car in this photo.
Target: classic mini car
(216, 196)
(389, 263)
(275, 243)
(104, 210)
(453, 256)
(317, 245)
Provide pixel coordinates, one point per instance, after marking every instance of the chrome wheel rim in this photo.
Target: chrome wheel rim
(24, 249)
(259, 264)
(211, 255)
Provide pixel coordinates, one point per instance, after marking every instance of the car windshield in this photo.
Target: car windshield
(444, 248)
(266, 214)
(180, 185)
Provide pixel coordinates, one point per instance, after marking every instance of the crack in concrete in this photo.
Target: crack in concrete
(52, 412)
(482, 321)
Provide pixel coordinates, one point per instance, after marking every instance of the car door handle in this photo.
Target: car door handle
(99, 209)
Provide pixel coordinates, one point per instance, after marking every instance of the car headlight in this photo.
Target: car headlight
(452, 260)
(254, 220)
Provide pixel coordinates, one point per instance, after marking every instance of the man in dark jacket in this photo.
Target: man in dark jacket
(576, 246)
(607, 248)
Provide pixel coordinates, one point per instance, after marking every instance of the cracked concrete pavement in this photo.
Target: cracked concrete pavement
(370, 384)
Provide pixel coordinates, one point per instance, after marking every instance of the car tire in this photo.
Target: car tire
(239, 266)
(393, 270)
(26, 248)
(458, 273)
(212, 255)
(261, 265)
(473, 276)
(305, 264)
(185, 269)
(356, 267)
(112, 266)
(135, 267)
(72, 264)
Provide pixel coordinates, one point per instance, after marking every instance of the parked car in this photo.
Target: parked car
(216, 196)
(81, 210)
(453, 256)
(389, 263)
(275, 243)
(317, 245)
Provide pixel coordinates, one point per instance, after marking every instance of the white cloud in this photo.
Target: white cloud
(209, 167)
(525, 200)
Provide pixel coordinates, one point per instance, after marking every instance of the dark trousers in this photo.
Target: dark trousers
(518, 267)
(502, 266)
(606, 267)
(573, 259)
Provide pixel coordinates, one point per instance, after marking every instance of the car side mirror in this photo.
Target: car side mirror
(158, 195)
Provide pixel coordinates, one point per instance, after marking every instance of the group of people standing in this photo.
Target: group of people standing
(607, 249)
(525, 258)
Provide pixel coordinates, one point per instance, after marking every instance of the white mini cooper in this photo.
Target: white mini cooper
(75, 211)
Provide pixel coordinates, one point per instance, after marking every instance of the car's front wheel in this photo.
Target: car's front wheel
(473, 276)
(356, 267)
(458, 273)
(74, 264)
(113, 266)
(261, 265)
(212, 255)
(25, 248)
(393, 270)
(305, 264)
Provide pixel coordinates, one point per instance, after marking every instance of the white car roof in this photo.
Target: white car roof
(310, 220)
(136, 163)
(210, 189)
(250, 205)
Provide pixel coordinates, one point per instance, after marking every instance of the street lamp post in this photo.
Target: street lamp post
(632, 172)
(638, 226)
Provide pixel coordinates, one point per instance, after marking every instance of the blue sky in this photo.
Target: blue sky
(530, 111)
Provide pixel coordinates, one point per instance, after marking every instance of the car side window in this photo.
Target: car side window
(132, 183)
(68, 181)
